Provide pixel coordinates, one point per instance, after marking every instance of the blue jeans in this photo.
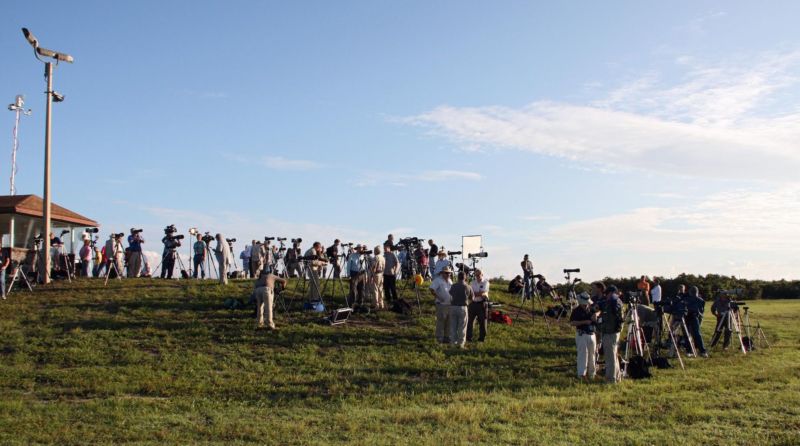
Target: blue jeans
(693, 325)
(199, 264)
(3, 282)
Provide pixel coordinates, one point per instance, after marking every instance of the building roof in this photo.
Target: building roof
(31, 205)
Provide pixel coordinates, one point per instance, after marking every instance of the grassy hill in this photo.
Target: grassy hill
(155, 362)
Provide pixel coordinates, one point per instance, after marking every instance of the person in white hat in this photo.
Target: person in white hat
(583, 318)
(440, 288)
(441, 262)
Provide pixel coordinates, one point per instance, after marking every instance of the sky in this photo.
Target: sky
(622, 138)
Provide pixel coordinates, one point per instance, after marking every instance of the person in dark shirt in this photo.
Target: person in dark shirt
(583, 318)
(677, 311)
(695, 306)
(460, 295)
(721, 309)
(516, 285)
(432, 253)
(610, 324)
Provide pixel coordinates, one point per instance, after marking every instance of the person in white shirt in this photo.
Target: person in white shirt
(245, 258)
(479, 307)
(440, 289)
(655, 292)
(441, 262)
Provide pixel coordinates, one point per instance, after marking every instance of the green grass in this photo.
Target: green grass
(155, 362)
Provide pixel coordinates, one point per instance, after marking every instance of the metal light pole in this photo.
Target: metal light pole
(18, 108)
(51, 96)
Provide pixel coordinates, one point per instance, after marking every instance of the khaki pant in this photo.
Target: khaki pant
(458, 325)
(587, 346)
(442, 319)
(610, 341)
(135, 264)
(265, 299)
(376, 285)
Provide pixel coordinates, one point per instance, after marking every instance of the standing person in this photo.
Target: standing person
(315, 261)
(254, 259)
(695, 307)
(135, 241)
(440, 289)
(199, 258)
(171, 245)
(265, 297)
(290, 260)
(610, 325)
(377, 266)
(441, 262)
(333, 256)
(644, 289)
(583, 318)
(356, 271)
(721, 308)
(5, 261)
(244, 256)
(389, 241)
(655, 293)
(99, 261)
(86, 253)
(460, 294)
(390, 269)
(527, 275)
(677, 310)
(433, 251)
(479, 307)
(223, 253)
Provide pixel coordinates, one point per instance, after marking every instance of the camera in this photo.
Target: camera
(631, 297)
(307, 258)
(92, 230)
(230, 240)
(170, 229)
(281, 239)
(573, 270)
(455, 253)
(178, 237)
(268, 239)
(480, 255)
(297, 240)
(208, 238)
(136, 231)
(462, 267)
(118, 235)
(347, 244)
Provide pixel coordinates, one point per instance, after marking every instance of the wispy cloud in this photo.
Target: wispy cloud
(539, 217)
(717, 121)
(274, 162)
(403, 179)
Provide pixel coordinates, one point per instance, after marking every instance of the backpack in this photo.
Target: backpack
(403, 307)
(500, 317)
(637, 368)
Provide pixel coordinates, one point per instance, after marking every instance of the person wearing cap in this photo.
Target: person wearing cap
(440, 289)
(441, 262)
(610, 324)
(460, 294)
(390, 269)
(584, 318)
(223, 254)
(527, 275)
(135, 241)
(377, 265)
(479, 307)
(357, 275)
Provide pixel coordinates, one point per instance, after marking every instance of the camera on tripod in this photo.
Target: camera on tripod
(297, 240)
(461, 267)
(230, 240)
(281, 239)
(268, 239)
(631, 297)
(208, 238)
(572, 270)
(408, 242)
(136, 231)
(92, 230)
(169, 229)
(118, 235)
(455, 253)
(480, 255)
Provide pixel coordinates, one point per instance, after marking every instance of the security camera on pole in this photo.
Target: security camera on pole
(40, 52)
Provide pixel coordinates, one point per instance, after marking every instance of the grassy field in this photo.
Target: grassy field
(156, 362)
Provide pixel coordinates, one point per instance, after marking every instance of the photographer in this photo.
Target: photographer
(610, 324)
(86, 253)
(135, 260)
(199, 259)
(432, 253)
(695, 306)
(527, 275)
(333, 255)
(442, 262)
(115, 255)
(223, 254)
(377, 266)
(357, 273)
(293, 267)
(99, 261)
(171, 245)
(265, 297)
(515, 285)
(584, 318)
(440, 289)
(255, 259)
(676, 308)
(389, 242)
(479, 307)
(390, 269)
(721, 309)
(315, 258)
(244, 256)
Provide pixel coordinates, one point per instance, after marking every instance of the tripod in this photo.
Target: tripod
(179, 261)
(678, 322)
(535, 296)
(212, 265)
(337, 287)
(18, 275)
(112, 263)
(730, 321)
(412, 280)
(760, 337)
(635, 335)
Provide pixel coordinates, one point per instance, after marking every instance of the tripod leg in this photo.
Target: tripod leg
(675, 345)
(688, 337)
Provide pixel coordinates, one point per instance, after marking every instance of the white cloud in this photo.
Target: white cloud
(715, 122)
(403, 179)
(281, 163)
